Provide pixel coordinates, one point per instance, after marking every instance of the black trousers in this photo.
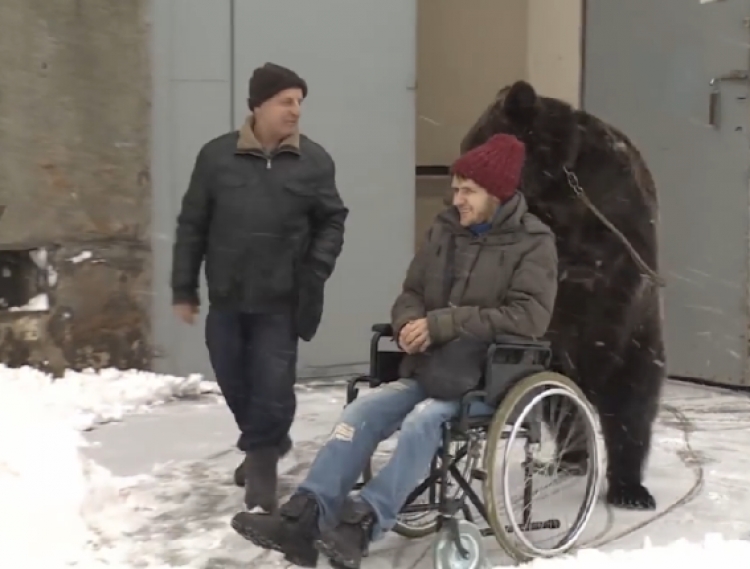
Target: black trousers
(254, 358)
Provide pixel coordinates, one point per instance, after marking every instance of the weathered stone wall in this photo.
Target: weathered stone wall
(74, 174)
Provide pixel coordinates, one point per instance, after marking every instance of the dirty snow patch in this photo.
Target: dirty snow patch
(88, 398)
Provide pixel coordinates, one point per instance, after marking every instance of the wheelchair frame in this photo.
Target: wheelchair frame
(509, 361)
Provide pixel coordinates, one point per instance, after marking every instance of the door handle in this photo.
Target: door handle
(715, 94)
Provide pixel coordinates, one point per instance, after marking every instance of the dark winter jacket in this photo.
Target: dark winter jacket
(270, 227)
(501, 282)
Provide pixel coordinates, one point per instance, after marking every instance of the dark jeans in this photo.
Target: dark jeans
(254, 357)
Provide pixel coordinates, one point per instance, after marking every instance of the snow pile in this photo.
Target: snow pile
(713, 551)
(86, 399)
(48, 490)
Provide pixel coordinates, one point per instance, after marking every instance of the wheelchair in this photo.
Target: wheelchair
(520, 387)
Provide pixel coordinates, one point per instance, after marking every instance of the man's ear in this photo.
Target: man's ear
(521, 104)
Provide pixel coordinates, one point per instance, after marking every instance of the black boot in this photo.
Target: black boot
(261, 478)
(345, 544)
(292, 531)
(239, 472)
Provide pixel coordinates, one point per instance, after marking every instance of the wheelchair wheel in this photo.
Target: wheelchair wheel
(525, 415)
(447, 556)
(419, 518)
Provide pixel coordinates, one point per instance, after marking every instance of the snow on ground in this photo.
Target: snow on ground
(713, 550)
(165, 497)
(48, 491)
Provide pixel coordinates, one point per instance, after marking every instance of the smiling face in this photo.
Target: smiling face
(279, 116)
(472, 201)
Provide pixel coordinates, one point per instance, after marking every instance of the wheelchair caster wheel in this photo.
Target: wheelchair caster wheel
(448, 556)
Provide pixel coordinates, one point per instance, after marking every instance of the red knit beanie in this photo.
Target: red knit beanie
(495, 165)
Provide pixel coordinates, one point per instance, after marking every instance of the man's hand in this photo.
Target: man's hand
(414, 337)
(185, 312)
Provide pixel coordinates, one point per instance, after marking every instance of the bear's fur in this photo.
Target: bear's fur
(606, 330)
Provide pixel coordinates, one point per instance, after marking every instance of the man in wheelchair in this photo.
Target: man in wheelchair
(488, 269)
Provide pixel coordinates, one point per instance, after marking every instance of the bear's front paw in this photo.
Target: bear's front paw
(630, 497)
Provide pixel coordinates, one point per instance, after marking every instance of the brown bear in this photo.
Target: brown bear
(606, 330)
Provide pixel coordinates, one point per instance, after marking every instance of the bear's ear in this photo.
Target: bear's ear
(521, 104)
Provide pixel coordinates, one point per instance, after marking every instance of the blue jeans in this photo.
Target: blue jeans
(364, 423)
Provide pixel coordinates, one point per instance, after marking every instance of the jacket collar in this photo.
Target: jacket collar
(247, 143)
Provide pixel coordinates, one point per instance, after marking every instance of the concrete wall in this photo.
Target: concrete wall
(74, 175)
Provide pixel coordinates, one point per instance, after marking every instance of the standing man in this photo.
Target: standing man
(262, 208)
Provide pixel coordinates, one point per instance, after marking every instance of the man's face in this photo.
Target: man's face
(280, 114)
(473, 203)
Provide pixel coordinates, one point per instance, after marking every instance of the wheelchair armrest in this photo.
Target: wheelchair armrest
(383, 329)
(352, 386)
(377, 375)
(466, 400)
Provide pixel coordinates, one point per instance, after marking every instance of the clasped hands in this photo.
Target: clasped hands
(414, 337)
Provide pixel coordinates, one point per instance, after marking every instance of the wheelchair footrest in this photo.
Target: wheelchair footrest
(536, 526)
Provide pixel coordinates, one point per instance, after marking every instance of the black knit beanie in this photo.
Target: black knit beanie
(271, 79)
